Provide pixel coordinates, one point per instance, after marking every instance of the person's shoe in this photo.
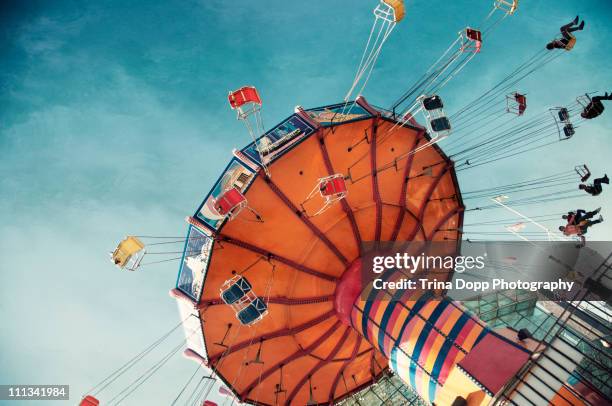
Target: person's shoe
(597, 210)
(581, 26)
(601, 219)
(606, 180)
(576, 20)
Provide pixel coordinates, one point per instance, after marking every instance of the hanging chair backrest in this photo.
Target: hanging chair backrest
(244, 284)
(260, 305)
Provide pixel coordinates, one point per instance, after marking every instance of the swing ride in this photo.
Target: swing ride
(269, 287)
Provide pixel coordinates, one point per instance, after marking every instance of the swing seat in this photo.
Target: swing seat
(209, 403)
(230, 203)
(507, 6)
(242, 96)
(583, 172)
(128, 253)
(235, 289)
(89, 401)
(521, 101)
(333, 187)
(253, 312)
(570, 44)
(473, 41)
(569, 130)
(474, 35)
(440, 124)
(564, 115)
(516, 103)
(432, 103)
(398, 9)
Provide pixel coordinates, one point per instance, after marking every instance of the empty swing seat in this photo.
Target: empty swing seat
(583, 172)
(521, 100)
(473, 34)
(473, 41)
(564, 114)
(242, 96)
(334, 186)
(253, 312)
(508, 7)
(229, 201)
(89, 401)
(569, 130)
(235, 289)
(440, 124)
(432, 103)
(126, 248)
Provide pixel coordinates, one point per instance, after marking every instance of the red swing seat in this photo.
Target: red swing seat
(242, 96)
(333, 187)
(474, 40)
(473, 34)
(516, 103)
(230, 201)
(89, 401)
(521, 100)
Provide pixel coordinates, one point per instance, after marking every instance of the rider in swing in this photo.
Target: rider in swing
(568, 40)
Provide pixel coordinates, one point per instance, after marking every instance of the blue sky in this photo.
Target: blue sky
(114, 120)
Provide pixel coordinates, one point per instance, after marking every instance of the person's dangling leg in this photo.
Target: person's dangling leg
(571, 27)
(590, 214)
(606, 96)
(565, 29)
(593, 222)
(575, 27)
(597, 182)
